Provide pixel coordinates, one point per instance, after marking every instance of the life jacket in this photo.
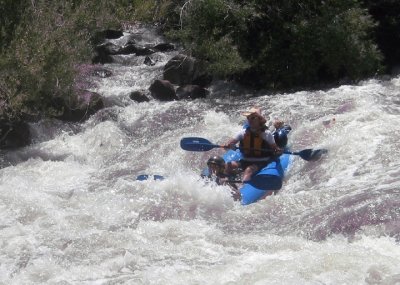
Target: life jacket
(252, 144)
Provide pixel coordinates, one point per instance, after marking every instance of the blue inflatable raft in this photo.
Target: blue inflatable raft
(269, 178)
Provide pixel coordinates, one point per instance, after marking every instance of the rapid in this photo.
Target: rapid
(72, 211)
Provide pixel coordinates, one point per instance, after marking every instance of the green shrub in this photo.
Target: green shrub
(387, 32)
(50, 39)
(269, 43)
(282, 43)
(208, 28)
(11, 12)
(301, 43)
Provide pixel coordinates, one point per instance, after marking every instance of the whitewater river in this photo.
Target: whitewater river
(72, 212)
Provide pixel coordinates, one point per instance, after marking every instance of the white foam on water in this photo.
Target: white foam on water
(72, 211)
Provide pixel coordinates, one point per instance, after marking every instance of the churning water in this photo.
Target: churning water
(72, 212)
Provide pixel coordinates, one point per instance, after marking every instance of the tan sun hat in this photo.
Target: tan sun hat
(257, 111)
(253, 110)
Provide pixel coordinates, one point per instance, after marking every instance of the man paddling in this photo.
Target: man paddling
(256, 143)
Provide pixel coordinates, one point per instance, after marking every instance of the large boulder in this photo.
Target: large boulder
(163, 90)
(183, 69)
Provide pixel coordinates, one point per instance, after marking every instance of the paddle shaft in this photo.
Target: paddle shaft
(201, 144)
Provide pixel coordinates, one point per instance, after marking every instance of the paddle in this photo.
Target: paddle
(143, 177)
(201, 144)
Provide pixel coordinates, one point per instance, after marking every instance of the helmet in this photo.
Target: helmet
(217, 160)
(281, 138)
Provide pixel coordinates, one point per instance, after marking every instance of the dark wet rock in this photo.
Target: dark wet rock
(86, 104)
(108, 48)
(104, 52)
(140, 50)
(148, 61)
(163, 90)
(202, 80)
(191, 92)
(183, 69)
(139, 97)
(101, 36)
(112, 34)
(179, 69)
(102, 58)
(14, 134)
(164, 47)
(131, 48)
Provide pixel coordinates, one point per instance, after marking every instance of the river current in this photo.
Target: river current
(72, 211)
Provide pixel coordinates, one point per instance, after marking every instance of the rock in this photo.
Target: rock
(104, 52)
(163, 90)
(86, 104)
(132, 48)
(14, 134)
(191, 92)
(182, 70)
(139, 97)
(112, 34)
(108, 48)
(179, 69)
(148, 61)
(164, 47)
(101, 36)
(141, 50)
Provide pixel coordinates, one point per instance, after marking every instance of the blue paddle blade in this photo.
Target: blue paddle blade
(197, 144)
(144, 177)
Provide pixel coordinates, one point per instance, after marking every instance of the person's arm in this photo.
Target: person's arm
(277, 150)
(233, 141)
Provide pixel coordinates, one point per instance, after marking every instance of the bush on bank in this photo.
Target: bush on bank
(42, 43)
(283, 44)
(265, 43)
(386, 13)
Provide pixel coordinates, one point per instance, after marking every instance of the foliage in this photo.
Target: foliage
(269, 43)
(301, 43)
(387, 33)
(282, 44)
(11, 12)
(48, 41)
(208, 29)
